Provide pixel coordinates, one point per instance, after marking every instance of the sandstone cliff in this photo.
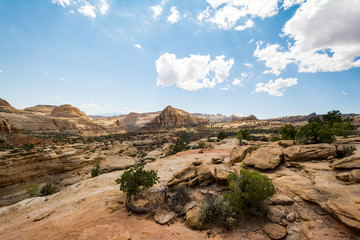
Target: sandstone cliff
(171, 117)
(42, 109)
(64, 118)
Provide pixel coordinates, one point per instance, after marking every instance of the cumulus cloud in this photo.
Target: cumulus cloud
(63, 3)
(87, 10)
(137, 46)
(277, 87)
(103, 7)
(157, 11)
(344, 93)
(248, 65)
(226, 13)
(174, 16)
(192, 73)
(326, 38)
(248, 24)
(238, 82)
(290, 3)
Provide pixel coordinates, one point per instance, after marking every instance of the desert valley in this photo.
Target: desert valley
(75, 159)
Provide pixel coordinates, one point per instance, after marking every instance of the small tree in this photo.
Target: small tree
(248, 190)
(222, 135)
(287, 132)
(47, 189)
(243, 134)
(179, 146)
(134, 180)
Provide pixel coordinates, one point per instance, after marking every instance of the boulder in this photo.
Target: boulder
(286, 143)
(193, 218)
(204, 173)
(275, 214)
(281, 200)
(238, 154)
(349, 162)
(274, 231)
(217, 160)
(355, 175)
(309, 152)
(220, 173)
(184, 175)
(164, 217)
(265, 158)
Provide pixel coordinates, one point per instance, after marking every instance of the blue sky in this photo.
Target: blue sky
(266, 57)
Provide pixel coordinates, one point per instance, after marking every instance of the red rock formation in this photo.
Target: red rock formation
(171, 117)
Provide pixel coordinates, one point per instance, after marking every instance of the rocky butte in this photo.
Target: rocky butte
(317, 185)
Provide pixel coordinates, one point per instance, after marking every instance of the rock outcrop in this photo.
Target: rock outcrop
(42, 109)
(68, 111)
(349, 162)
(265, 157)
(171, 118)
(6, 107)
(310, 152)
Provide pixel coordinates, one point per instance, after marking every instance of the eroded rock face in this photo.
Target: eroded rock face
(68, 111)
(42, 109)
(265, 157)
(193, 218)
(310, 152)
(171, 117)
(349, 162)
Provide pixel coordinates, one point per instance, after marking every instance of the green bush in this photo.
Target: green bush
(287, 132)
(248, 190)
(313, 131)
(217, 211)
(179, 146)
(47, 189)
(222, 135)
(96, 170)
(349, 150)
(135, 178)
(32, 189)
(275, 138)
(243, 134)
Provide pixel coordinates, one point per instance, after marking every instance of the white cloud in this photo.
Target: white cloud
(192, 73)
(103, 6)
(62, 79)
(157, 11)
(93, 108)
(226, 13)
(276, 88)
(250, 41)
(248, 65)
(63, 3)
(174, 16)
(344, 93)
(137, 46)
(1, 70)
(248, 24)
(87, 10)
(290, 3)
(238, 82)
(225, 88)
(326, 38)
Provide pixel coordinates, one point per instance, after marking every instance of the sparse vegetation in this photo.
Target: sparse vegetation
(96, 170)
(349, 150)
(179, 200)
(217, 211)
(243, 134)
(32, 189)
(248, 190)
(222, 135)
(275, 138)
(179, 146)
(47, 189)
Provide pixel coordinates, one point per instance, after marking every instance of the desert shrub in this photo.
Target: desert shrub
(349, 150)
(15, 150)
(222, 135)
(288, 132)
(179, 200)
(96, 170)
(32, 189)
(218, 211)
(275, 138)
(201, 145)
(248, 190)
(179, 146)
(136, 178)
(47, 189)
(211, 140)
